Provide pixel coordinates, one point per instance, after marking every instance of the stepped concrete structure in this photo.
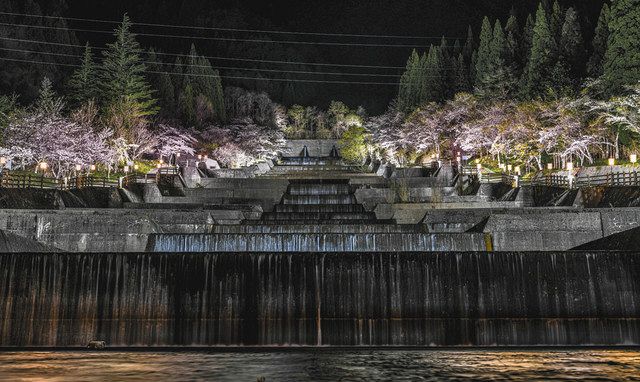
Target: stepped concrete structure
(312, 252)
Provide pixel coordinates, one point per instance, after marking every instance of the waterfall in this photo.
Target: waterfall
(381, 299)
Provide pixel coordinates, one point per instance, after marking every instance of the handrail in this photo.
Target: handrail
(11, 179)
(629, 178)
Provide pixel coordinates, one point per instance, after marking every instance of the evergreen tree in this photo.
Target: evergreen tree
(447, 75)
(467, 49)
(161, 83)
(126, 94)
(462, 75)
(83, 86)
(527, 40)
(541, 62)
(512, 31)
(484, 59)
(571, 49)
(433, 82)
(594, 67)
(409, 94)
(622, 59)
(218, 99)
(556, 21)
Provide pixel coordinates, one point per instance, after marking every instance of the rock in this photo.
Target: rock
(98, 345)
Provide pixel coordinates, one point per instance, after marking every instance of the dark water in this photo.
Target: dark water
(325, 365)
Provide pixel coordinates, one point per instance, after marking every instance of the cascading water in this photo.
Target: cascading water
(320, 299)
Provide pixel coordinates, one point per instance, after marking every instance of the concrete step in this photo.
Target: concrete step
(318, 208)
(319, 199)
(317, 216)
(319, 189)
(318, 228)
(317, 242)
(275, 222)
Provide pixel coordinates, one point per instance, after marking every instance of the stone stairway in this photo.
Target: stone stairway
(319, 212)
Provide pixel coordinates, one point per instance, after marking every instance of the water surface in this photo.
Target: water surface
(324, 365)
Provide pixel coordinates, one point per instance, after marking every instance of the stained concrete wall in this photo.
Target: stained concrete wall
(119, 230)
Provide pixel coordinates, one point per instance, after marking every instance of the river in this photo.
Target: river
(324, 365)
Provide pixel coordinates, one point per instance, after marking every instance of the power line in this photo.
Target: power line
(210, 76)
(229, 39)
(228, 29)
(230, 67)
(217, 57)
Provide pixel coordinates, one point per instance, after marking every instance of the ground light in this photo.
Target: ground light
(633, 158)
(569, 166)
(612, 162)
(549, 166)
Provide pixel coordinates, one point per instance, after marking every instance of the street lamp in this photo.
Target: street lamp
(549, 166)
(43, 166)
(633, 158)
(135, 167)
(92, 167)
(569, 166)
(126, 169)
(612, 162)
(518, 170)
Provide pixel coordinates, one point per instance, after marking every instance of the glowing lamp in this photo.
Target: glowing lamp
(159, 165)
(633, 158)
(178, 155)
(126, 169)
(135, 167)
(93, 167)
(518, 170)
(479, 166)
(78, 167)
(200, 157)
(3, 161)
(549, 166)
(569, 166)
(509, 167)
(612, 162)
(43, 166)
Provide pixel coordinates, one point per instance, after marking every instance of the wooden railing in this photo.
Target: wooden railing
(10, 179)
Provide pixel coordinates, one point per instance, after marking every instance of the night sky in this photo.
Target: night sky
(433, 18)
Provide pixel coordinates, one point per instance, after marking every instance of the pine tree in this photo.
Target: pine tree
(571, 49)
(484, 60)
(594, 67)
(48, 102)
(433, 82)
(527, 40)
(622, 59)
(498, 81)
(541, 62)
(409, 94)
(467, 49)
(205, 85)
(83, 86)
(512, 31)
(556, 21)
(161, 83)
(446, 73)
(126, 94)
(462, 75)
(218, 99)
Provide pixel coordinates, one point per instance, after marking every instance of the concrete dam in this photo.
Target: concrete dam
(311, 252)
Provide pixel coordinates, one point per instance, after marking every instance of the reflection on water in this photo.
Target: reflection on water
(324, 365)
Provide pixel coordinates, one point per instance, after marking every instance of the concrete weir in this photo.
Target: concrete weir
(318, 254)
(311, 299)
